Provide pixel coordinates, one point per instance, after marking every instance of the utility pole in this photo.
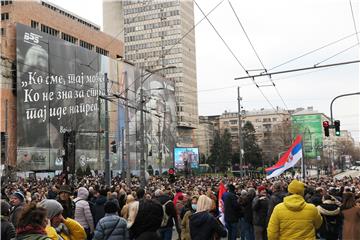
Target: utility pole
(127, 137)
(142, 139)
(122, 153)
(240, 135)
(107, 160)
(159, 147)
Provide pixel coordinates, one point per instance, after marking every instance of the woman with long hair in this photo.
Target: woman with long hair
(351, 213)
(32, 223)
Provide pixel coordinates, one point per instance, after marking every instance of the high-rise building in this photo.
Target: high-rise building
(42, 20)
(157, 34)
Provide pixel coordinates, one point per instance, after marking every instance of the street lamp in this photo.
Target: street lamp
(142, 130)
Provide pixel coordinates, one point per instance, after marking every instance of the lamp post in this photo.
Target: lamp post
(142, 132)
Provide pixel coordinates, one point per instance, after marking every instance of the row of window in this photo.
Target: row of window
(62, 12)
(161, 15)
(152, 26)
(161, 5)
(4, 16)
(3, 3)
(67, 37)
(152, 35)
(158, 53)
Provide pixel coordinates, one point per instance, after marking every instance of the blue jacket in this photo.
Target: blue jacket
(111, 227)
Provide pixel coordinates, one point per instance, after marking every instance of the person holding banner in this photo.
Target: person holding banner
(294, 218)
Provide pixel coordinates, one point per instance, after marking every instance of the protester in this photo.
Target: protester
(32, 223)
(83, 213)
(58, 227)
(246, 220)
(64, 199)
(232, 212)
(276, 197)
(185, 228)
(99, 200)
(351, 226)
(17, 202)
(203, 225)
(294, 218)
(332, 219)
(7, 228)
(260, 209)
(111, 226)
(171, 216)
(148, 220)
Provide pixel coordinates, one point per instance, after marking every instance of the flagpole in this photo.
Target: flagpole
(302, 159)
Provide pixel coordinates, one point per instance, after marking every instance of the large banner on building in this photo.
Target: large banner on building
(58, 84)
(310, 127)
(159, 117)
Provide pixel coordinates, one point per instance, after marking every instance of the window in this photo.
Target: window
(34, 24)
(5, 2)
(274, 119)
(49, 30)
(233, 122)
(3, 31)
(102, 51)
(86, 45)
(4, 16)
(69, 38)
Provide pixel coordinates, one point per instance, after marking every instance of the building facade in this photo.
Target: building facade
(55, 22)
(205, 134)
(157, 34)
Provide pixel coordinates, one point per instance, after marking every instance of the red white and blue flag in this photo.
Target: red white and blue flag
(287, 160)
(222, 190)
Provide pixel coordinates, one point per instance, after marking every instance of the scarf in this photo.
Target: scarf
(30, 229)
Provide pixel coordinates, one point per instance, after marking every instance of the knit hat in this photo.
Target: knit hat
(19, 195)
(261, 188)
(5, 208)
(296, 187)
(65, 189)
(53, 207)
(111, 206)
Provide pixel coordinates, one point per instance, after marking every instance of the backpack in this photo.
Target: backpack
(165, 218)
(331, 226)
(92, 208)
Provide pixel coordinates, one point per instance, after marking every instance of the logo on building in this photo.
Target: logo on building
(32, 38)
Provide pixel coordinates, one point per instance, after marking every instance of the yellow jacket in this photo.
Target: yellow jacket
(75, 231)
(294, 219)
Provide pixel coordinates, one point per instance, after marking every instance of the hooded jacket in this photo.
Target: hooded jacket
(82, 210)
(203, 226)
(68, 230)
(332, 220)
(294, 219)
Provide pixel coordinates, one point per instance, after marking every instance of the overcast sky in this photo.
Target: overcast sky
(279, 30)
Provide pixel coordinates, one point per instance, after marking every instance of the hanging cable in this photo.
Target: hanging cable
(257, 55)
(336, 54)
(312, 51)
(353, 18)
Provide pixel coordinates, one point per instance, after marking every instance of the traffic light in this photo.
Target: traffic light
(113, 146)
(337, 127)
(326, 126)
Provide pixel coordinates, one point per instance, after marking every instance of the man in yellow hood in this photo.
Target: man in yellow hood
(294, 218)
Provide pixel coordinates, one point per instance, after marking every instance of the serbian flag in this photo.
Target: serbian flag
(222, 190)
(287, 160)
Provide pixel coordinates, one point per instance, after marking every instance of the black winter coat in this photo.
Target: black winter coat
(231, 207)
(99, 208)
(7, 229)
(332, 221)
(275, 199)
(203, 226)
(260, 209)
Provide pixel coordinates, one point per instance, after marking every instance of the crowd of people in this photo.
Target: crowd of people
(249, 209)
